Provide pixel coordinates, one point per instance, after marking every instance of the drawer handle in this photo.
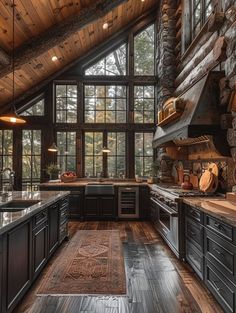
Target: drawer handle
(219, 226)
(216, 287)
(218, 251)
(192, 233)
(194, 213)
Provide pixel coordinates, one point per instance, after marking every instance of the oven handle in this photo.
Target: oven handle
(169, 211)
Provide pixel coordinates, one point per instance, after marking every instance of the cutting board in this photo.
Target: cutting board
(231, 196)
(223, 204)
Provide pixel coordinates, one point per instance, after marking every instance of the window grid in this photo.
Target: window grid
(143, 153)
(93, 158)
(117, 157)
(66, 157)
(104, 107)
(37, 109)
(144, 104)
(31, 159)
(201, 10)
(66, 103)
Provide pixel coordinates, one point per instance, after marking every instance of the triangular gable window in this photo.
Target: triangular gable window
(36, 109)
(113, 64)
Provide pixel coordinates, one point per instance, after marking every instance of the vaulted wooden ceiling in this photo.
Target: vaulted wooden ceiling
(65, 28)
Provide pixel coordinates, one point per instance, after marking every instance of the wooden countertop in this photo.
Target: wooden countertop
(220, 208)
(82, 183)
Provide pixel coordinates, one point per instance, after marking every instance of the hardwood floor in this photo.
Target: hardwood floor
(156, 280)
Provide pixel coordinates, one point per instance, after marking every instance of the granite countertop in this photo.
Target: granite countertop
(84, 182)
(220, 208)
(8, 220)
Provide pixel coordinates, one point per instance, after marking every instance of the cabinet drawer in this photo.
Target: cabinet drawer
(194, 214)
(194, 232)
(221, 253)
(64, 202)
(39, 218)
(222, 288)
(222, 229)
(195, 258)
(63, 232)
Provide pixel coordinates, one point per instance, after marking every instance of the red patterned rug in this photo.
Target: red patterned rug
(92, 263)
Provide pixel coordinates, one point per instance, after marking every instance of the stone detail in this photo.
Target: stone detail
(166, 44)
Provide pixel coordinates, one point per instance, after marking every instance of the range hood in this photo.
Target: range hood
(200, 119)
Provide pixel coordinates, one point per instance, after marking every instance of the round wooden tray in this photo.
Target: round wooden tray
(206, 181)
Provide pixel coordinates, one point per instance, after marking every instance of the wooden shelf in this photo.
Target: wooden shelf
(170, 118)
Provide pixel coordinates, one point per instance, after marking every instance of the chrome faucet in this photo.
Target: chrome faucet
(11, 179)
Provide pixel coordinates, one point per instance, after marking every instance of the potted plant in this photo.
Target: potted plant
(53, 170)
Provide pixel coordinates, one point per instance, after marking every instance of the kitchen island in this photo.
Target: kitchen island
(32, 226)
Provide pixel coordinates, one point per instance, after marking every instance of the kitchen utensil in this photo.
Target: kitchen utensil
(206, 181)
(186, 184)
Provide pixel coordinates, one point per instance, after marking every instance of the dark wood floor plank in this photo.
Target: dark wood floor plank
(157, 282)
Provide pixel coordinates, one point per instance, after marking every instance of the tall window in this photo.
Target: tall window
(143, 153)
(93, 158)
(144, 103)
(116, 143)
(105, 104)
(66, 103)
(6, 152)
(31, 158)
(112, 64)
(144, 51)
(37, 109)
(66, 156)
(201, 10)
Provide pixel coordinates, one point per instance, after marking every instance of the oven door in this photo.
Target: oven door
(167, 223)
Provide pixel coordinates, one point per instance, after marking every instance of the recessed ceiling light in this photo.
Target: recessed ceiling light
(105, 25)
(54, 58)
(142, 0)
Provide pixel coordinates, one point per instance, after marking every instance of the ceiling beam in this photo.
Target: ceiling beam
(5, 58)
(59, 33)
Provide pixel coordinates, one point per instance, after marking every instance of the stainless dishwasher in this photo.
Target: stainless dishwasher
(128, 202)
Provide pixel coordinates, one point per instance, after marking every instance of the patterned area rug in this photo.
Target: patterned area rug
(92, 263)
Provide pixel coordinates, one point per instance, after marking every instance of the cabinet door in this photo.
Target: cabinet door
(107, 207)
(18, 263)
(75, 205)
(91, 207)
(40, 248)
(53, 227)
(1, 265)
(144, 205)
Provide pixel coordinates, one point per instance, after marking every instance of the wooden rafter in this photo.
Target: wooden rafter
(60, 32)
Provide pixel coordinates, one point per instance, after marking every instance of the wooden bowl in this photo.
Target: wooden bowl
(68, 179)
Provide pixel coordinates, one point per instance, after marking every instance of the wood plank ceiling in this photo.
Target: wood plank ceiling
(34, 17)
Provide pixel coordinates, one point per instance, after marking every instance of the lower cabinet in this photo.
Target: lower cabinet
(211, 251)
(25, 250)
(17, 267)
(53, 227)
(100, 207)
(40, 247)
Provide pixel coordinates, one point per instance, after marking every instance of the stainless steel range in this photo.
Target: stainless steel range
(168, 216)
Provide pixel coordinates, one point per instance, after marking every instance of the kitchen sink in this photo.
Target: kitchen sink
(17, 205)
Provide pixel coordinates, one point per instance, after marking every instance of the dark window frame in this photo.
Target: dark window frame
(66, 156)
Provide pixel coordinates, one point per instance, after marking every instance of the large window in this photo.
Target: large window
(66, 103)
(144, 103)
(66, 156)
(144, 51)
(201, 10)
(143, 153)
(116, 142)
(37, 109)
(6, 153)
(93, 158)
(112, 64)
(31, 158)
(105, 104)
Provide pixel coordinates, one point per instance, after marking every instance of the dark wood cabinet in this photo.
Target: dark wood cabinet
(144, 202)
(1, 268)
(76, 203)
(17, 269)
(53, 227)
(100, 207)
(40, 247)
